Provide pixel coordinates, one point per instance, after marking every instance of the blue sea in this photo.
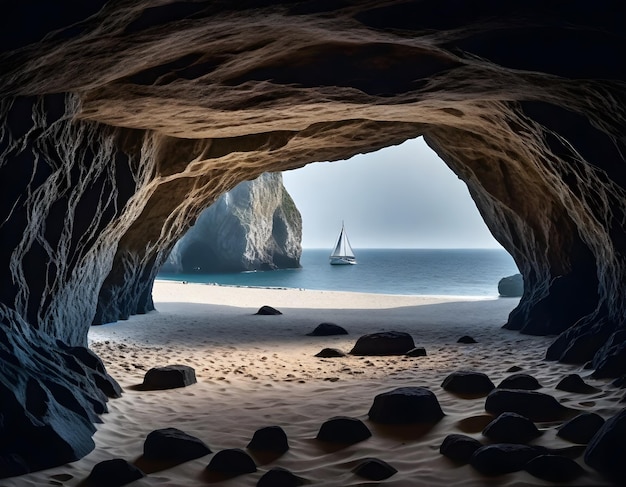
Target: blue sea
(448, 272)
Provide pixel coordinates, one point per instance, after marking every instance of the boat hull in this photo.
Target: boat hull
(342, 261)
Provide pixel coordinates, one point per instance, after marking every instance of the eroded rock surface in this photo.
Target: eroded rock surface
(121, 121)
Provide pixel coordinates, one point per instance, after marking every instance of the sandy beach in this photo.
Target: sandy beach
(255, 371)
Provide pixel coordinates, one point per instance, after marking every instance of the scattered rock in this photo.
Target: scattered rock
(606, 452)
(268, 311)
(511, 286)
(554, 468)
(514, 368)
(468, 382)
(459, 448)
(406, 405)
(342, 429)
(233, 461)
(114, 473)
(511, 428)
(575, 383)
(327, 329)
(330, 353)
(374, 469)
(466, 339)
(280, 477)
(270, 438)
(581, 428)
(520, 381)
(169, 377)
(502, 458)
(173, 444)
(535, 406)
(384, 343)
(416, 352)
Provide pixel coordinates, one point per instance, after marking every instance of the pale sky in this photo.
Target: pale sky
(399, 197)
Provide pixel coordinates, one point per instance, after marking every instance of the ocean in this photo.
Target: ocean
(446, 272)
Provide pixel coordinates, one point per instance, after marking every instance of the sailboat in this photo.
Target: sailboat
(342, 254)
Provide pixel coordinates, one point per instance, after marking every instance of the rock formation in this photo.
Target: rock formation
(121, 121)
(255, 226)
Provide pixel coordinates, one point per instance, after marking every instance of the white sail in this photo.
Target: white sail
(343, 253)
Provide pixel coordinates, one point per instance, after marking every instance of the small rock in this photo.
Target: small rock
(232, 461)
(468, 382)
(606, 452)
(280, 477)
(520, 381)
(406, 405)
(330, 353)
(267, 311)
(554, 468)
(511, 428)
(169, 377)
(533, 405)
(502, 458)
(114, 473)
(327, 329)
(270, 438)
(459, 448)
(514, 368)
(342, 429)
(374, 469)
(466, 339)
(384, 343)
(511, 286)
(575, 383)
(416, 352)
(173, 444)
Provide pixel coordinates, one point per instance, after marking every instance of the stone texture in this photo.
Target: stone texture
(511, 286)
(466, 339)
(374, 469)
(232, 461)
(468, 382)
(533, 405)
(554, 468)
(268, 311)
(459, 448)
(173, 444)
(511, 428)
(169, 377)
(330, 353)
(280, 477)
(606, 452)
(114, 473)
(383, 343)
(406, 405)
(269, 438)
(342, 429)
(520, 381)
(582, 428)
(416, 352)
(327, 329)
(575, 383)
(502, 458)
(254, 226)
(121, 122)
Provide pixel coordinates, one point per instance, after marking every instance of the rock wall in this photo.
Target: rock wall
(121, 121)
(255, 226)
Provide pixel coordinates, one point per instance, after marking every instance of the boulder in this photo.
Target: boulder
(169, 377)
(468, 382)
(267, 311)
(554, 468)
(501, 458)
(330, 353)
(416, 352)
(327, 329)
(384, 343)
(511, 428)
(466, 339)
(269, 438)
(342, 429)
(233, 461)
(114, 473)
(374, 469)
(511, 286)
(535, 406)
(173, 444)
(606, 452)
(575, 383)
(520, 381)
(280, 477)
(582, 428)
(513, 369)
(406, 405)
(459, 448)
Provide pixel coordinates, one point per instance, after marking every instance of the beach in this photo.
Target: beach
(255, 371)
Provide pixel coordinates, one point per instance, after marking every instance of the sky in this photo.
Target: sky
(398, 197)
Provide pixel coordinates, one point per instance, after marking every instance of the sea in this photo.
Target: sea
(441, 272)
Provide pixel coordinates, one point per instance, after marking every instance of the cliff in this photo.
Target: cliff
(122, 121)
(255, 226)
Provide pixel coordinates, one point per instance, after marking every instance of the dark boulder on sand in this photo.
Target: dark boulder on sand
(269, 438)
(113, 473)
(511, 428)
(606, 452)
(173, 444)
(459, 448)
(511, 286)
(169, 377)
(554, 468)
(406, 405)
(330, 353)
(533, 405)
(466, 339)
(520, 381)
(575, 383)
(280, 477)
(416, 352)
(342, 429)
(374, 469)
(582, 428)
(384, 343)
(468, 382)
(327, 329)
(502, 458)
(267, 311)
(233, 461)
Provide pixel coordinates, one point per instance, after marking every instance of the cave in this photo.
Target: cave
(121, 121)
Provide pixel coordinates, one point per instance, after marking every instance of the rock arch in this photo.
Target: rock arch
(122, 120)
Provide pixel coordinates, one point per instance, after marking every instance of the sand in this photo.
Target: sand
(255, 371)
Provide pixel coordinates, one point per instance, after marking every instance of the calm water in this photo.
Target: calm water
(387, 271)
